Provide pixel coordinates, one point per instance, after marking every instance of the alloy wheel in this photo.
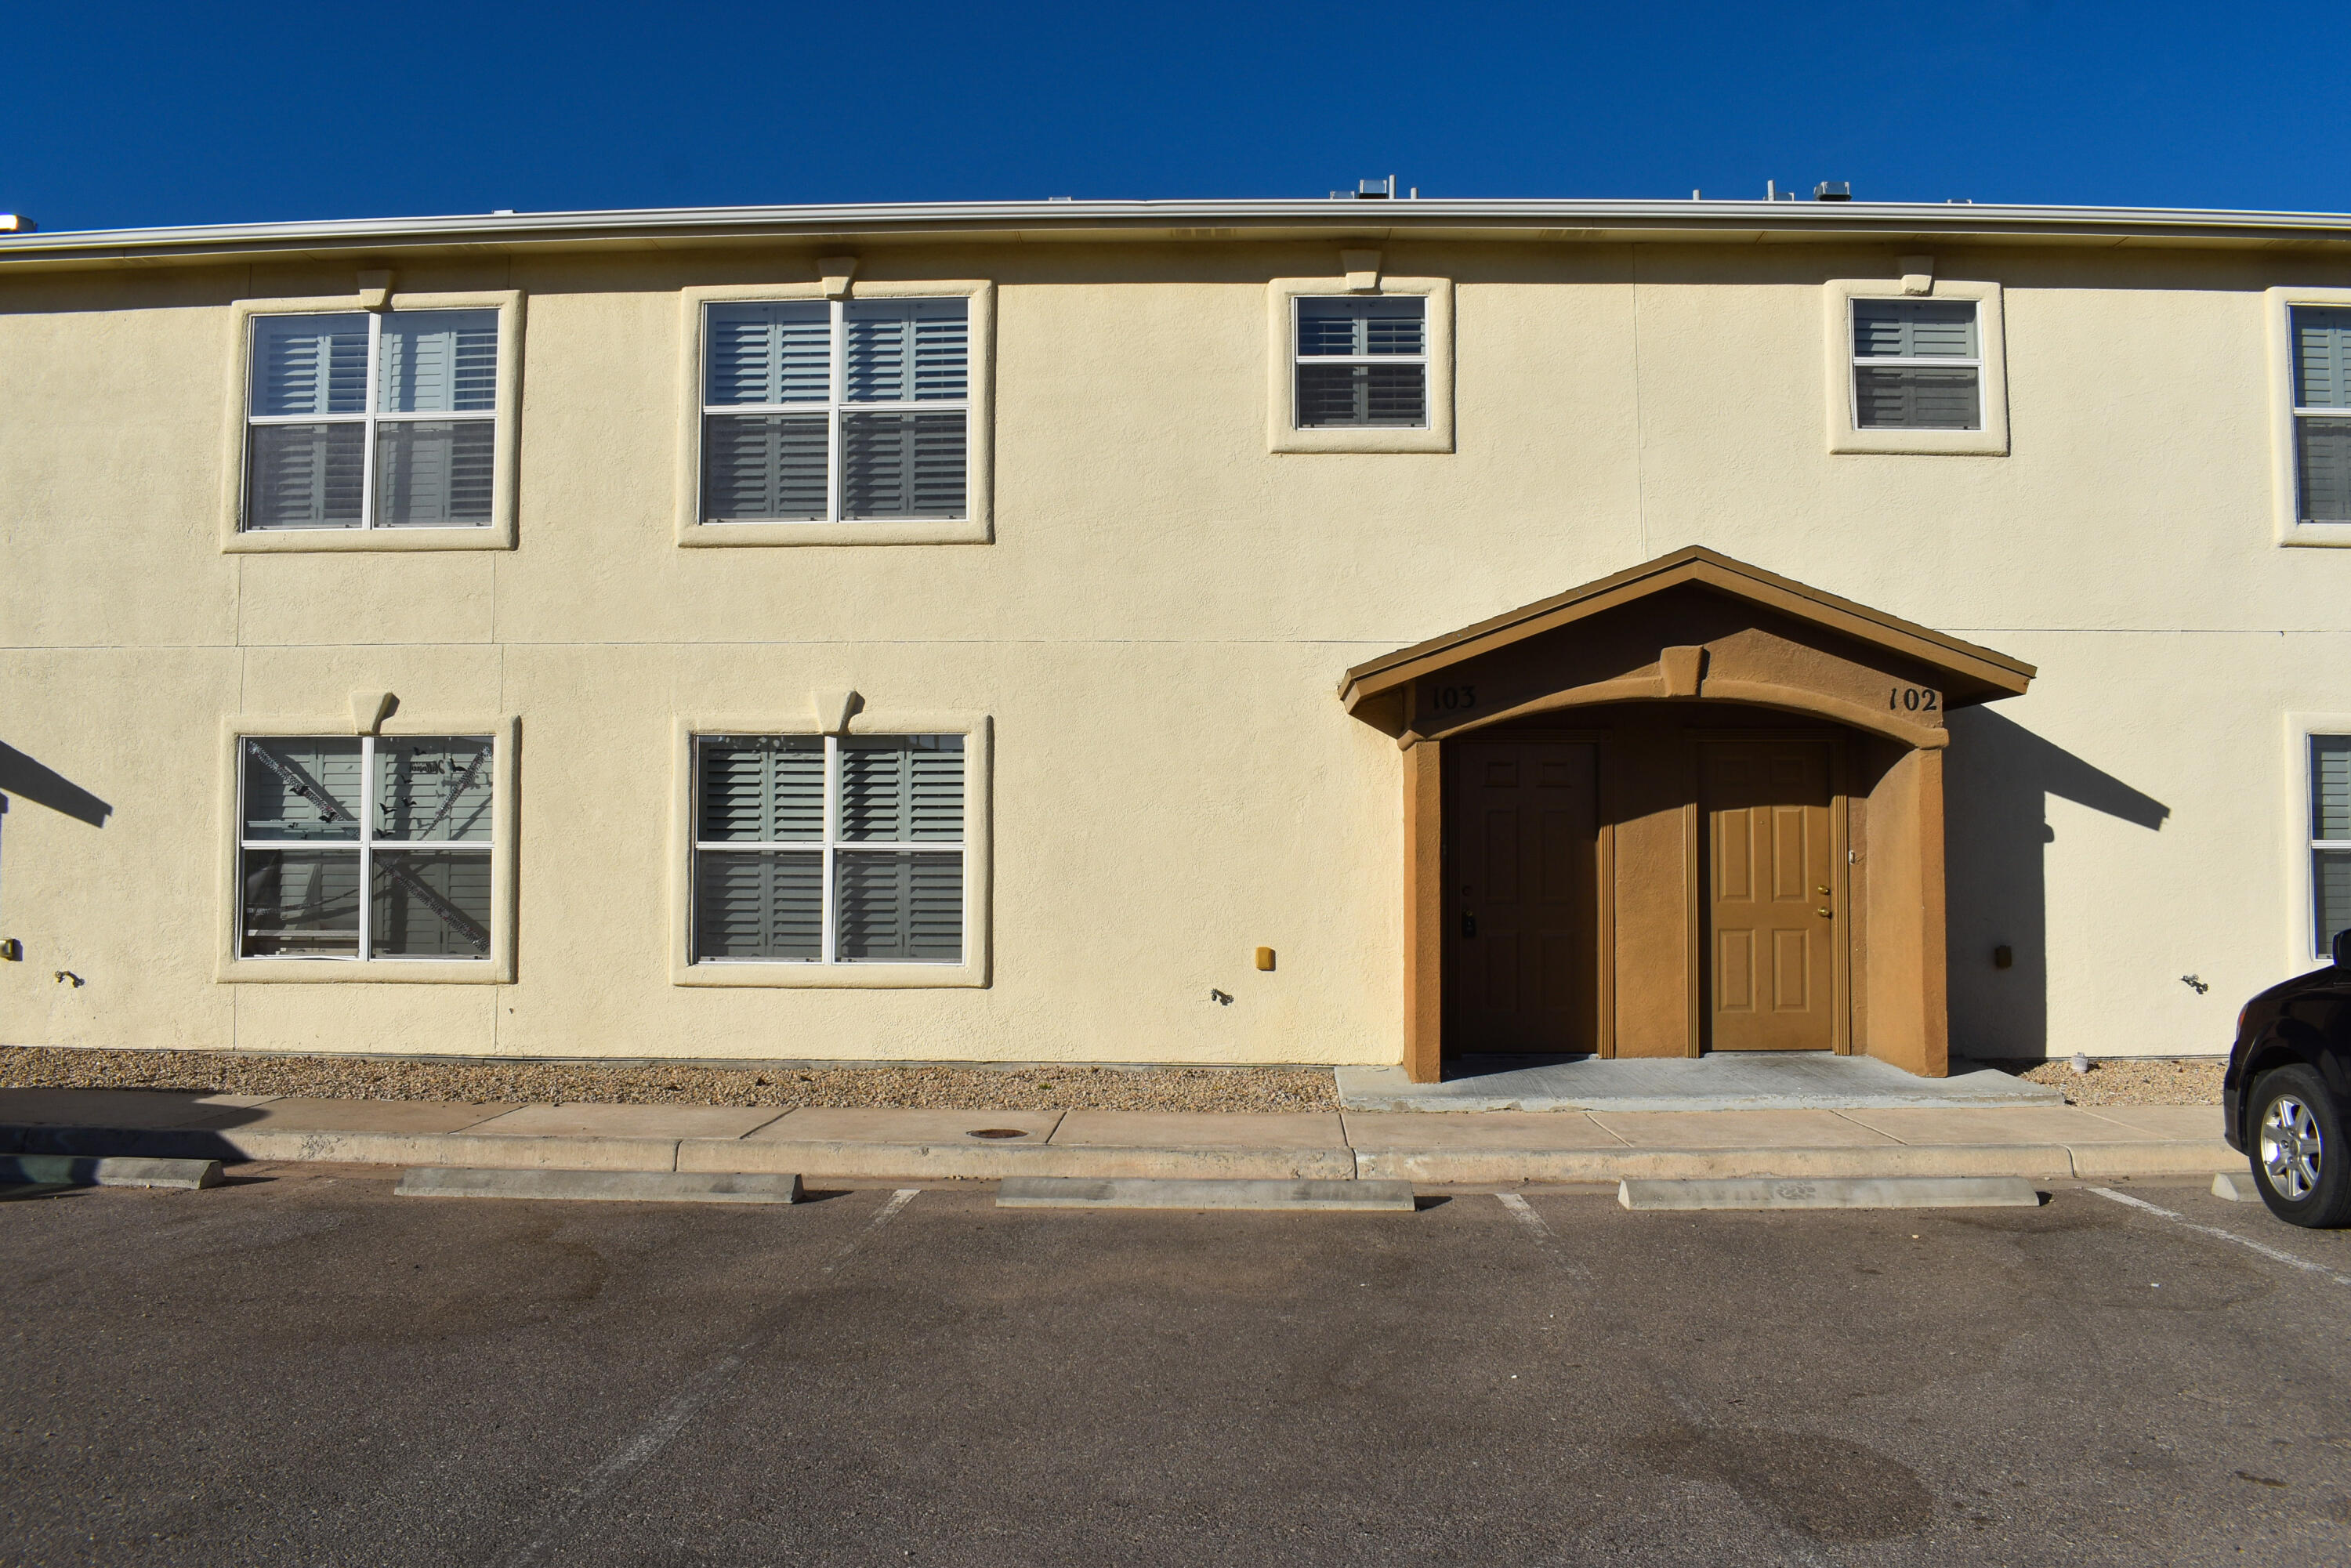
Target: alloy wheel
(2291, 1148)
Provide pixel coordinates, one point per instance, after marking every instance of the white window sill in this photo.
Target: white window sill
(371, 971)
(913, 531)
(1927, 443)
(2324, 536)
(308, 541)
(1362, 438)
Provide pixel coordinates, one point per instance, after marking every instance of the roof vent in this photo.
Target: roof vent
(1832, 191)
(17, 223)
(1369, 190)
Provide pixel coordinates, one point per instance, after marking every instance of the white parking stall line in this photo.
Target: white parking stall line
(2264, 1248)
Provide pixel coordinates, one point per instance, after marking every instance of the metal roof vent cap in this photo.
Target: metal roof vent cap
(1832, 191)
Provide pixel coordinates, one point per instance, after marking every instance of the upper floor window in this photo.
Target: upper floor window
(2321, 413)
(1363, 362)
(835, 411)
(829, 849)
(364, 420)
(1918, 364)
(360, 847)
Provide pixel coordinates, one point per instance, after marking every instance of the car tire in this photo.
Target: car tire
(2294, 1142)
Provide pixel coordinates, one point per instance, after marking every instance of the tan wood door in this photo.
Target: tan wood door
(1771, 921)
(1522, 872)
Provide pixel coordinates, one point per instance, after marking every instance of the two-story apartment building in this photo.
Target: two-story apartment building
(1234, 632)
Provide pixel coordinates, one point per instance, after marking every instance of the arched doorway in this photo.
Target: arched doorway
(1690, 806)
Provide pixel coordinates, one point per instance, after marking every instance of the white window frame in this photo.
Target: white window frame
(1845, 434)
(1283, 434)
(975, 526)
(829, 972)
(499, 534)
(1300, 361)
(232, 966)
(2285, 482)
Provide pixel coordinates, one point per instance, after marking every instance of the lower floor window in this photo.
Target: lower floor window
(829, 849)
(357, 847)
(2330, 838)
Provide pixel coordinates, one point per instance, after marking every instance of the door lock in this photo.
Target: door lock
(1825, 913)
(1469, 923)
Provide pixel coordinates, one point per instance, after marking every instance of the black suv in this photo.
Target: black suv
(2285, 1099)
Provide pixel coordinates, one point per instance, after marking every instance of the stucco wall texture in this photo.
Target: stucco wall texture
(1156, 631)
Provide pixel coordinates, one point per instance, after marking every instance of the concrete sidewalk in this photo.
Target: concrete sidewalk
(1495, 1147)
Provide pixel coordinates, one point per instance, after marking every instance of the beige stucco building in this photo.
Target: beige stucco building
(1333, 632)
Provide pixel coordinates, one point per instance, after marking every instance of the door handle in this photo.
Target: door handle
(1825, 913)
(1469, 923)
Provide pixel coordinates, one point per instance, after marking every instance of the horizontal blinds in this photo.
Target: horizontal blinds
(764, 468)
(758, 905)
(302, 789)
(430, 904)
(306, 476)
(903, 465)
(901, 788)
(2322, 357)
(1387, 395)
(2330, 787)
(434, 473)
(1913, 398)
(1393, 325)
(309, 364)
(765, 788)
(2323, 465)
(907, 351)
(770, 352)
(438, 361)
(898, 907)
(1914, 329)
(299, 904)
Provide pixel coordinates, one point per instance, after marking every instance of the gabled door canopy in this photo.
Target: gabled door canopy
(1694, 623)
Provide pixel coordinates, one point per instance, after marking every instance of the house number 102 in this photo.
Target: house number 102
(1914, 699)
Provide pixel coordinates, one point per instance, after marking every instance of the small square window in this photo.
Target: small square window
(1918, 364)
(1362, 364)
(367, 420)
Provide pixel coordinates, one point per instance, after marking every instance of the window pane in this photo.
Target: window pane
(902, 788)
(1388, 395)
(762, 788)
(305, 476)
(897, 907)
(762, 467)
(301, 904)
(902, 465)
(1914, 329)
(302, 789)
(309, 364)
(906, 350)
(1914, 400)
(779, 352)
(431, 903)
(1384, 326)
(433, 788)
(2330, 882)
(2322, 357)
(2322, 459)
(2330, 787)
(433, 473)
(758, 905)
(438, 361)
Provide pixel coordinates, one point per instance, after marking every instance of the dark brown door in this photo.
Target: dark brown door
(1521, 828)
(1771, 919)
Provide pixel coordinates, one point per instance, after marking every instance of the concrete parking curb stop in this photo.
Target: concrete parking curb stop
(81, 1170)
(606, 1187)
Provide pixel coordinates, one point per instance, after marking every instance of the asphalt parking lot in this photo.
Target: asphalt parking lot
(302, 1368)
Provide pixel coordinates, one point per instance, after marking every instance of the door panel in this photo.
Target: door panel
(1521, 868)
(1769, 913)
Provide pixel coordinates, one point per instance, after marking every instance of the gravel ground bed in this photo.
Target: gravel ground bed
(2123, 1082)
(918, 1088)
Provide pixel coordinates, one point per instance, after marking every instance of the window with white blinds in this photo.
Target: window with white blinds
(360, 846)
(835, 411)
(371, 420)
(1363, 362)
(2330, 839)
(1918, 364)
(2322, 412)
(829, 849)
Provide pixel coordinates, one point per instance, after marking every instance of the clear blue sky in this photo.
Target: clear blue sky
(132, 114)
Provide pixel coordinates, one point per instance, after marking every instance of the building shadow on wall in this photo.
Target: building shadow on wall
(1997, 778)
(25, 778)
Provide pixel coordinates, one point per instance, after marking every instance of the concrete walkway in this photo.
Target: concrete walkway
(1495, 1147)
(1745, 1080)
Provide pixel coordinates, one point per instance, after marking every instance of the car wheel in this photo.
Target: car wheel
(2296, 1146)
